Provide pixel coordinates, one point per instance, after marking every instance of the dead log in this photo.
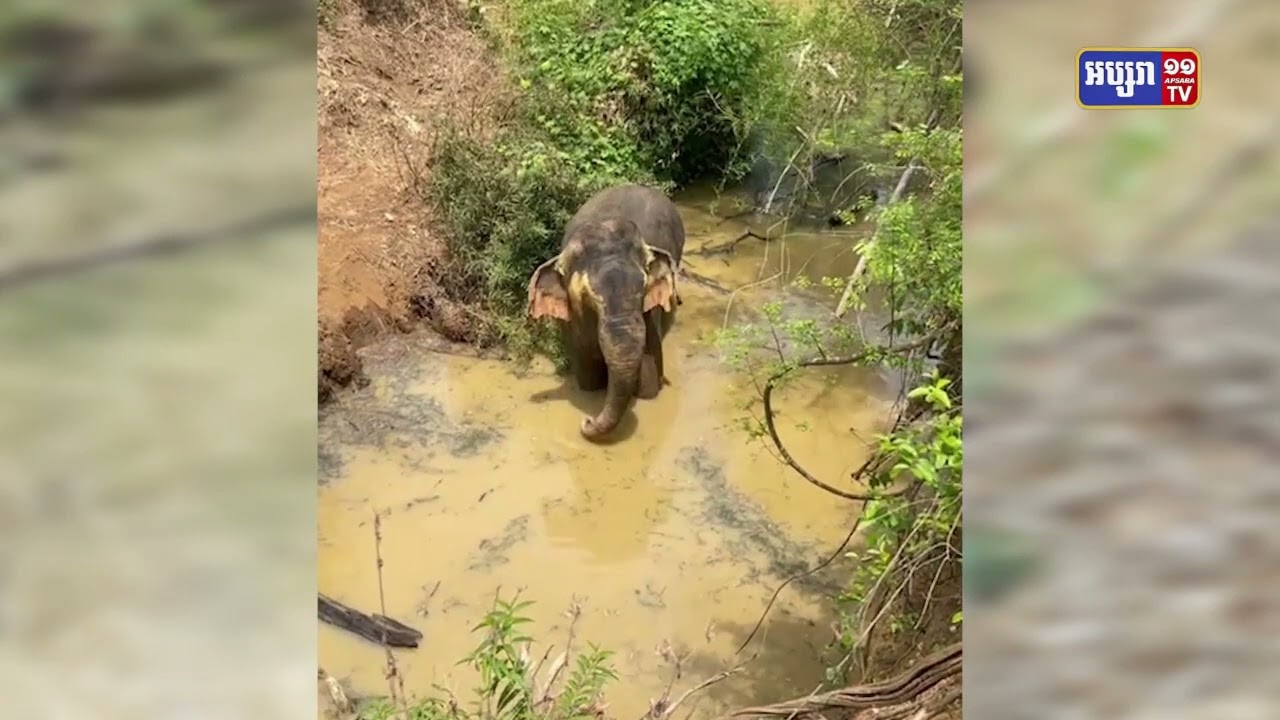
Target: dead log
(375, 628)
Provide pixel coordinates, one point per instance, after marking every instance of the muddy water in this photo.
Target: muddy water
(679, 531)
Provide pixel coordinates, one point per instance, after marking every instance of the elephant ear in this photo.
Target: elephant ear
(548, 296)
(660, 287)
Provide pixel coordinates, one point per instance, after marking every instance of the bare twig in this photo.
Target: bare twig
(395, 681)
(664, 707)
(830, 559)
(727, 247)
(772, 382)
(574, 612)
(728, 306)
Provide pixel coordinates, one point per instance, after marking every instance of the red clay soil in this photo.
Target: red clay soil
(383, 88)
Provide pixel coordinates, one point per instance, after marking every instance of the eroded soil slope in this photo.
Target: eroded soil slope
(385, 86)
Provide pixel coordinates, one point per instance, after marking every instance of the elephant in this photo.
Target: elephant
(612, 291)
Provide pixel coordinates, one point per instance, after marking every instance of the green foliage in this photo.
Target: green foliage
(613, 91)
(854, 73)
(845, 75)
(916, 251)
(630, 88)
(508, 687)
(895, 527)
(506, 204)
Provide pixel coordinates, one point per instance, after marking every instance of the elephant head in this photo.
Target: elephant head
(602, 283)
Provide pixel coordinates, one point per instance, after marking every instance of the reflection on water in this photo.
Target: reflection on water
(678, 532)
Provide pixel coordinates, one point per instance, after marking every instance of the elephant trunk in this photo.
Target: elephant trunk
(622, 344)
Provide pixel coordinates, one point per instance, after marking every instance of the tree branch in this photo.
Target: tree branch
(847, 296)
(730, 245)
(771, 425)
(926, 688)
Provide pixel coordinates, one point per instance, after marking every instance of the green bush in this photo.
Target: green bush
(644, 88)
(613, 92)
(670, 92)
(512, 686)
(506, 205)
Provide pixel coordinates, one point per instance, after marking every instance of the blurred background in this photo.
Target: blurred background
(157, 339)
(1122, 308)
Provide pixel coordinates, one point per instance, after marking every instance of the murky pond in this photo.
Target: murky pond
(679, 531)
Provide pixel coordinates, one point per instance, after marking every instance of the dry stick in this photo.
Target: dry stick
(946, 556)
(245, 229)
(575, 612)
(830, 559)
(395, 681)
(903, 181)
(1201, 15)
(666, 712)
(728, 307)
(864, 636)
(847, 296)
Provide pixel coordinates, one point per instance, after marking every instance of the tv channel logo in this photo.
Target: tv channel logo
(1135, 78)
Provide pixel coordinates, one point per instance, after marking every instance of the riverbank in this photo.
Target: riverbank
(384, 89)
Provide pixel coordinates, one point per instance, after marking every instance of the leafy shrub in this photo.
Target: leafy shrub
(650, 88)
(506, 205)
(511, 686)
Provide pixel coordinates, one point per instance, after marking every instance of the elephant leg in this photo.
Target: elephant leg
(651, 370)
(591, 372)
(587, 362)
(650, 380)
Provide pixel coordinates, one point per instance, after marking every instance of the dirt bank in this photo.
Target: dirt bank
(384, 87)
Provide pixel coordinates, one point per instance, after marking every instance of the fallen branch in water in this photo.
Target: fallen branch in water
(664, 706)
(917, 694)
(374, 628)
(703, 280)
(727, 247)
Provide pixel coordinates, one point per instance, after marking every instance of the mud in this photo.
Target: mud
(678, 531)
